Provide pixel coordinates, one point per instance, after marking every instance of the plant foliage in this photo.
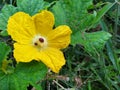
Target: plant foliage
(75, 14)
(92, 58)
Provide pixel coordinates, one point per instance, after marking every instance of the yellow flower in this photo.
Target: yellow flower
(37, 40)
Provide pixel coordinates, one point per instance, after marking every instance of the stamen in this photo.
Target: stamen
(41, 40)
(35, 44)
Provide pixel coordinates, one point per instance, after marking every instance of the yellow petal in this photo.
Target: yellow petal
(21, 27)
(44, 22)
(24, 53)
(60, 37)
(53, 58)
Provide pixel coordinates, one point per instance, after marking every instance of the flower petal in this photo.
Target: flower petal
(53, 58)
(24, 53)
(21, 27)
(60, 37)
(44, 22)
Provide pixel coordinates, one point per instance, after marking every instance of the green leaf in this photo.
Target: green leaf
(102, 12)
(6, 12)
(91, 41)
(25, 74)
(30, 6)
(73, 13)
(110, 49)
(4, 51)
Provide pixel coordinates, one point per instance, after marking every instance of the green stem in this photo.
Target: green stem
(116, 20)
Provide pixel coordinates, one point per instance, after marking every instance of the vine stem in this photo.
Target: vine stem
(59, 85)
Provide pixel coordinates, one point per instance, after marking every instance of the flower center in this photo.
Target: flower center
(40, 42)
